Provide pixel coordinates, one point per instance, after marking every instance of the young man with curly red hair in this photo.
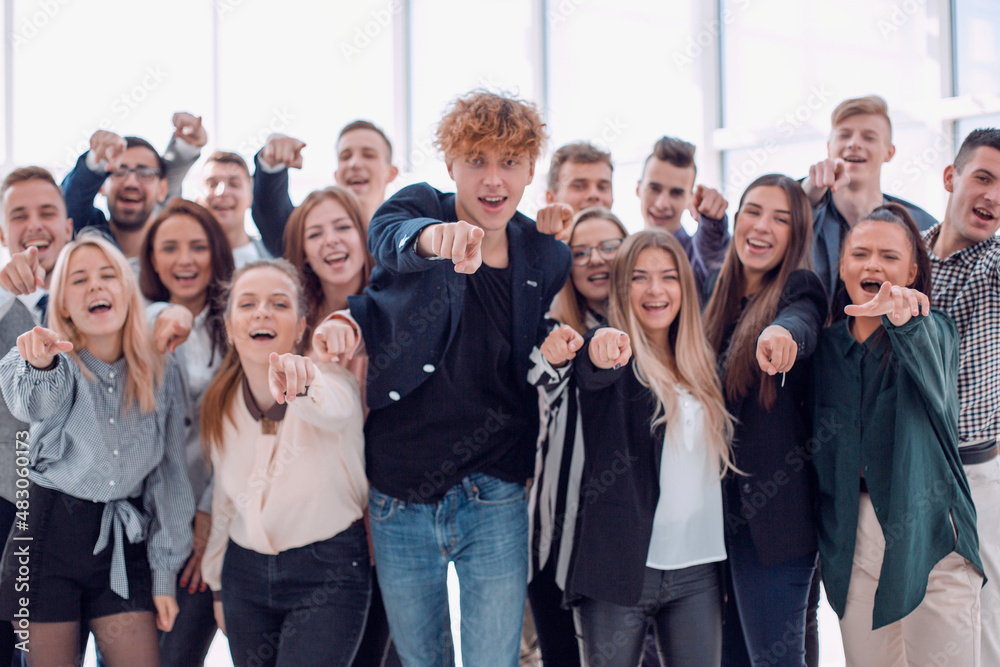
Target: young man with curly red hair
(457, 298)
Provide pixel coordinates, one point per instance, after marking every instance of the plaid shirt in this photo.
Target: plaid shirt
(966, 285)
(84, 445)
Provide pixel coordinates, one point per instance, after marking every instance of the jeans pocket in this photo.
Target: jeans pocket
(341, 549)
(492, 491)
(380, 506)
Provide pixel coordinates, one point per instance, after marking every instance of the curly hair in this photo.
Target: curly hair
(481, 122)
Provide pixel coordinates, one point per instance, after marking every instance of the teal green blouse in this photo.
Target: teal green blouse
(888, 409)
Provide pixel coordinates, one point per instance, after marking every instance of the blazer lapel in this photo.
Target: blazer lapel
(526, 291)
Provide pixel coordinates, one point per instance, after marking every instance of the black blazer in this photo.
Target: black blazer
(409, 313)
(773, 448)
(620, 486)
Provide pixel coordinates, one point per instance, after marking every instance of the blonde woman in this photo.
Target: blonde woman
(108, 510)
(656, 434)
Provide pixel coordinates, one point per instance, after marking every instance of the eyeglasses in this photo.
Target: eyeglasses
(142, 172)
(606, 249)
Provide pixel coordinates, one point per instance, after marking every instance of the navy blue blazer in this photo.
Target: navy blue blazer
(79, 188)
(410, 311)
(271, 206)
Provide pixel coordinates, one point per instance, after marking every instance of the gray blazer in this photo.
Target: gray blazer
(14, 322)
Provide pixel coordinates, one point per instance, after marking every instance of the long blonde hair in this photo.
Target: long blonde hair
(569, 307)
(693, 358)
(145, 363)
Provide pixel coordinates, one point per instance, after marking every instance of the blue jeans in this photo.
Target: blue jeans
(482, 526)
(304, 606)
(771, 601)
(684, 606)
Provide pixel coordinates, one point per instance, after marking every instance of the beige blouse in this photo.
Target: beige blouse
(289, 477)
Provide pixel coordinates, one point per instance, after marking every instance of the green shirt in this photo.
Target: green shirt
(889, 410)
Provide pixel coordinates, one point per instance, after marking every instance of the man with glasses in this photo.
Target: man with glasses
(134, 178)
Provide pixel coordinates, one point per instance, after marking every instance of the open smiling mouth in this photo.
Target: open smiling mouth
(99, 307)
(984, 214)
(263, 334)
(871, 286)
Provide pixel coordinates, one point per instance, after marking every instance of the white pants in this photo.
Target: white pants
(984, 481)
(942, 630)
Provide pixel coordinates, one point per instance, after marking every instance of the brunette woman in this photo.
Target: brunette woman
(593, 238)
(287, 554)
(763, 320)
(186, 262)
(326, 236)
(897, 526)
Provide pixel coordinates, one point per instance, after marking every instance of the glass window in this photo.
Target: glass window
(788, 65)
(305, 71)
(622, 76)
(458, 46)
(125, 67)
(976, 46)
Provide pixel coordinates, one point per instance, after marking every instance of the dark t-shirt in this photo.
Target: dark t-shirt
(461, 419)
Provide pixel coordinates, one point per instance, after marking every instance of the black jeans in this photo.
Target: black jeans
(685, 608)
(304, 606)
(556, 632)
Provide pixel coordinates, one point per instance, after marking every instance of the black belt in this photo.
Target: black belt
(978, 452)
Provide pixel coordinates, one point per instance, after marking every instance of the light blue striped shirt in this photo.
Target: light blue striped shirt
(82, 444)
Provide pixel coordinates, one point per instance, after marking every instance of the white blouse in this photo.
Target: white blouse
(688, 522)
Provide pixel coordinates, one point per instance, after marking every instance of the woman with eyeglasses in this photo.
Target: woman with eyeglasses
(594, 238)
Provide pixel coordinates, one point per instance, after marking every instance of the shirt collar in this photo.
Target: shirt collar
(31, 300)
(967, 256)
(275, 413)
(103, 370)
(847, 345)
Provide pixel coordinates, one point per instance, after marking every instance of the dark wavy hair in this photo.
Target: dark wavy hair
(222, 266)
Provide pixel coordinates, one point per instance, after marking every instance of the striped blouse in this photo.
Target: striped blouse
(555, 495)
(83, 444)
